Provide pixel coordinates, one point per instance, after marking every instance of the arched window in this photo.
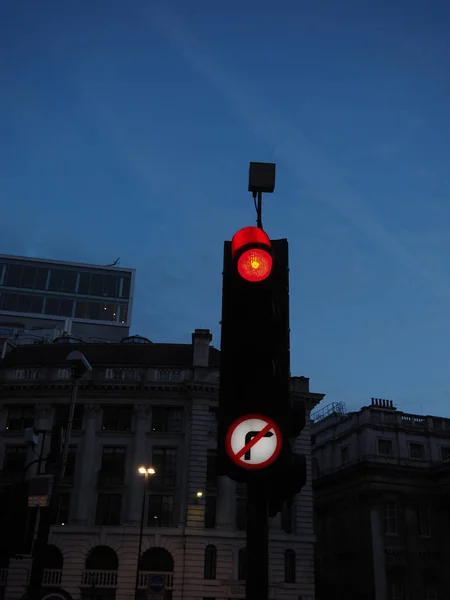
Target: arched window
(156, 559)
(210, 562)
(102, 558)
(289, 566)
(242, 564)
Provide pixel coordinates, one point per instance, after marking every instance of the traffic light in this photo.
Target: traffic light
(254, 407)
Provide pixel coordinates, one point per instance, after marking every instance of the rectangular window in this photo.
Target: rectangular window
(123, 313)
(395, 590)
(63, 281)
(62, 416)
(117, 418)
(113, 463)
(13, 275)
(416, 451)
(160, 511)
(385, 447)
(71, 463)
(344, 455)
(20, 418)
(126, 286)
(62, 507)
(59, 307)
(15, 459)
(241, 514)
(445, 452)
(210, 512)
(167, 419)
(109, 508)
(164, 461)
(391, 519)
(211, 474)
(423, 521)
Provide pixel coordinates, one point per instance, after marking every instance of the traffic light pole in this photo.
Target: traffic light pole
(257, 583)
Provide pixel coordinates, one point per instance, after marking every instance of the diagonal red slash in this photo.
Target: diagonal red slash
(254, 440)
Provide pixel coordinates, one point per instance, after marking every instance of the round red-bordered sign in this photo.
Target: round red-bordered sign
(253, 441)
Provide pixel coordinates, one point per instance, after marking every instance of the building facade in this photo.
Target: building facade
(381, 481)
(87, 301)
(143, 405)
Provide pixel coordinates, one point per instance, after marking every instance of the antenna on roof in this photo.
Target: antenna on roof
(116, 262)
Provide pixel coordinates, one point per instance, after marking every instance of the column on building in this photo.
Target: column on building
(42, 421)
(85, 490)
(225, 503)
(378, 552)
(140, 458)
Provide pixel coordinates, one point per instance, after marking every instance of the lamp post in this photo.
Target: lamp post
(80, 366)
(146, 471)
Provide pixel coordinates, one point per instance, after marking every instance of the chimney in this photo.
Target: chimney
(201, 338)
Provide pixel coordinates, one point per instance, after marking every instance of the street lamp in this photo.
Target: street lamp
(80, 366)
(146, 471)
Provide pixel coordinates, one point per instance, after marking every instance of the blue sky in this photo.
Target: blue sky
(126, 130)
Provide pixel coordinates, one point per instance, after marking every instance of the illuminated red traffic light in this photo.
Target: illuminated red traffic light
(251, 248)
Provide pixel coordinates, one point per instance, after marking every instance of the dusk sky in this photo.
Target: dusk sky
(127, 128)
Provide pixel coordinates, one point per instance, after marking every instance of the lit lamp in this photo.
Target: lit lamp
(146, 471)
(198, 496)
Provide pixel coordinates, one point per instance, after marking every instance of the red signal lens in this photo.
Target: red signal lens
(254, 265)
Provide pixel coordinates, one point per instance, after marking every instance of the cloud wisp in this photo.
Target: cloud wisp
(310, 169)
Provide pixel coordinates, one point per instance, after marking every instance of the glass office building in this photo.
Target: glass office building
(91, 301)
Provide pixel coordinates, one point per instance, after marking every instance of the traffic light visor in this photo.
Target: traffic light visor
(251, 248)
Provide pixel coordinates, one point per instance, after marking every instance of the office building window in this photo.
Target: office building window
(210, 562)
(416, 451)
(391, 519)
(210, 512)
(242, 564)
(123, 314)
(167, 419)
(21, 276)
(117, 418)
(160, 511)
(62, 507)
(384, 447)
(109, 508)
(20, 418)
(24, 303)
(95, 284)
(344, 454)
(289, 566)
(164, 461)
(445, 452)
(423, 521)
(14, 460)
(63, 281)
(126, 286)
(96, 311)
(60, 307)
(62, 416)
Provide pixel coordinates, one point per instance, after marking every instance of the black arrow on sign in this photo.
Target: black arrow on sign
(250, 435)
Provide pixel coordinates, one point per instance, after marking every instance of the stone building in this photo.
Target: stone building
(149, 405)
(381, 481)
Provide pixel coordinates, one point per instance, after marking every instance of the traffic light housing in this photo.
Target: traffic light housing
(16, 521)
(254, 372)
(291, 474)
